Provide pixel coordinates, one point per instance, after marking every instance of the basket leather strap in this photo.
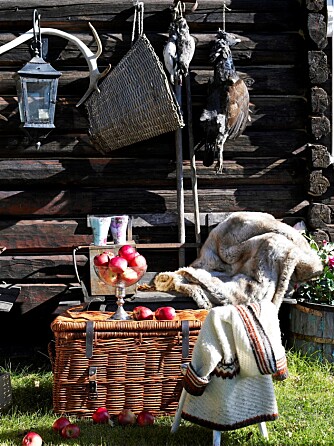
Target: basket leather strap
(92, 376)
(89, 338)
(185, 339)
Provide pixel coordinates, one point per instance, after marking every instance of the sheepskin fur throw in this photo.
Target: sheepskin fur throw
(248, 257)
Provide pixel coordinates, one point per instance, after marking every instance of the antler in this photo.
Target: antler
(91, 58)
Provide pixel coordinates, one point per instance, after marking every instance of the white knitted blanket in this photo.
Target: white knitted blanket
(248, 257)
(229, 380)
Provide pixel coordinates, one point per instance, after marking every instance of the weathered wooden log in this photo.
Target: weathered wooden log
(274, 80)
(318, 67)
(157, 15)
(317, 29)
(319, 100)
(318, 183)
(315, 5)
(77, 145)
(270, 112)
(319, 235)
(320, 157)
(254, 48)
(318, 216)
(320, 126)
(92, 172)
(57, 203)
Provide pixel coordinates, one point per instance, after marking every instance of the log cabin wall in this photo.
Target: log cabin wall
(47, 193)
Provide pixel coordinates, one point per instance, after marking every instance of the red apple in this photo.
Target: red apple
(108, 276)
(101, 415)
(128, 252)
(60, 423)
(145, 418)
(118, 264)
(101, 259)
(32, 439)
(165, 313)
(70, 431)
(126, 417)
(142, 314)
(138, 262)
(129, 276)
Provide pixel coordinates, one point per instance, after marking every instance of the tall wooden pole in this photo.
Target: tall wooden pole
(179, 178)
(193, 164)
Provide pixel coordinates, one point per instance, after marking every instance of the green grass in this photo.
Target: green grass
(305, 402)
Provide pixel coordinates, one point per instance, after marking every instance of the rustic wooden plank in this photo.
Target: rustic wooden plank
(138, 172)
(267, 5)
(272, 80)
(157, 14)
(270, 112)
(54, 202)
(40, 268)
(59, 236)
(260, 144)
(254, 48)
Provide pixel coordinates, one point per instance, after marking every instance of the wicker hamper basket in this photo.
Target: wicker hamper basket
(129, 364)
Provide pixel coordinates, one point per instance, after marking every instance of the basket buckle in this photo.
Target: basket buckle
(92, 390)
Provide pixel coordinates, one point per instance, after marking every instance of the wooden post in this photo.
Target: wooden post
(193, 164)
(179, 178)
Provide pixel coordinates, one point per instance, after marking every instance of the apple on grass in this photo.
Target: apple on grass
(70, 431)
(32, 439)
(126, 417)
(118, 264)
(165, 313)
(128, 252)
(101, 415)
(59, 423)
(141, 313)
(145, 418)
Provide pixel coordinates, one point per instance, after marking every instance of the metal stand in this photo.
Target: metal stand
(120, 314)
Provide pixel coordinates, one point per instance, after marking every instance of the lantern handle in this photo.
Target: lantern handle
(94, 74)
(37, 31)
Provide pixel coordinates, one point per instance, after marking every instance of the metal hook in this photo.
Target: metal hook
(224, 11)
(179, 9)
(37, 28)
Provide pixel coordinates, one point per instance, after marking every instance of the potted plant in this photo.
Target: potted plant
(321, 289)
(312, 318)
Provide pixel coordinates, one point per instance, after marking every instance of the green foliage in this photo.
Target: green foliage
(321, 289)
(305, 402)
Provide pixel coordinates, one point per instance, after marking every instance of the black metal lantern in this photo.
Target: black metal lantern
(36, 85)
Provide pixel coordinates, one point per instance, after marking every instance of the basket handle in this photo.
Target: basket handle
(138, 19)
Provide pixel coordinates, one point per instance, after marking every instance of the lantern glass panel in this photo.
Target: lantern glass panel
(39, 101)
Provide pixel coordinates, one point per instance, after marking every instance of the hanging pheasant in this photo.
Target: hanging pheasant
(227, 111)
(180, 47)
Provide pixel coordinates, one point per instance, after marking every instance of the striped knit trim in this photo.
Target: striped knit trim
(227, 369)
(258, 339)
(229, 427)
(282, 369)
(193, 383)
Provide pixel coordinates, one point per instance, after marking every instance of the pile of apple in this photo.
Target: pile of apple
(141, 313)
(127, 265)
(66, 429)
(125, 417)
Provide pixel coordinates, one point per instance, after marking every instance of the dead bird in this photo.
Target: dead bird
(227, 109)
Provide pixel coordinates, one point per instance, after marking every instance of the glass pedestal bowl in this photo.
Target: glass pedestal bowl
(120, 281)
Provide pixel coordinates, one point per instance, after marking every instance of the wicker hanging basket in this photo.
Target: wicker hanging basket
(135, 102)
